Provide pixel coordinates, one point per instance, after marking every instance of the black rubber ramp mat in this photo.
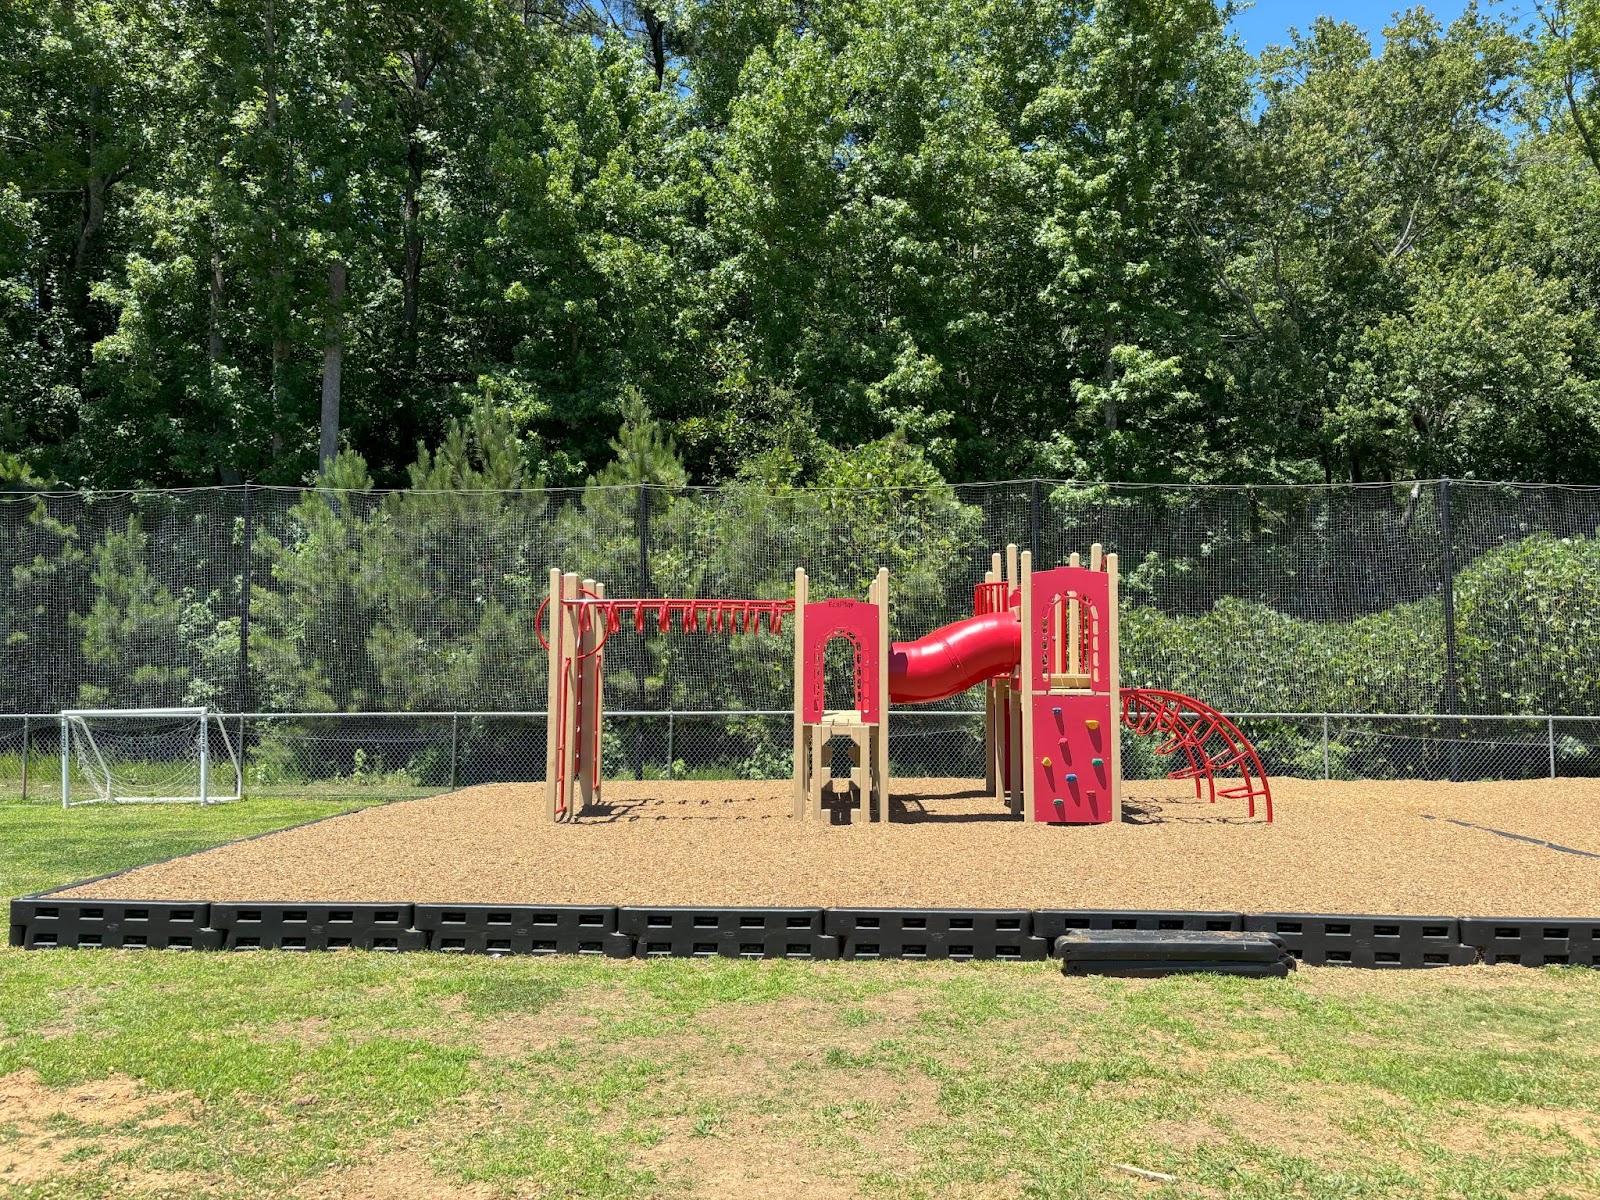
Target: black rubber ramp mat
(1155, 952)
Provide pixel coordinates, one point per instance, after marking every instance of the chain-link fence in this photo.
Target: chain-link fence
(402, 755)
(1445, 600)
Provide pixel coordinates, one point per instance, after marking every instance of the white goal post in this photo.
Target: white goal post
(147, 756)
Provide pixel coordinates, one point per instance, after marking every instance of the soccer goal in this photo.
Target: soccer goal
(147, 756)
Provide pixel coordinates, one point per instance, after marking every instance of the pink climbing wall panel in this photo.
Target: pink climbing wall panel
(856, 621)
(1071, 740)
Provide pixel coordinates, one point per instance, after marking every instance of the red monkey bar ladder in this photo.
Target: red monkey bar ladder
(1211, 743)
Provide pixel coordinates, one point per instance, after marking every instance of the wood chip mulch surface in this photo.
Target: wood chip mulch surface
(1373, 847)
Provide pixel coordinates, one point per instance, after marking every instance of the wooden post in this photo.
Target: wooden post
(988, 738)
(553, 715)
(802, 758)
(881, 737)
(571, 691)
(990, 694)
(821, 770)
(1113, 670)
(1022, 796)
(1072, 619)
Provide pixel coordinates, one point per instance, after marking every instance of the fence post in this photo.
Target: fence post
(1452, 698)
(244, 609)
(24, 758)
(1551, 723)
(1033, 517)
(243, 753)
(65, 781)
(670, 765)
(455, 773)
(1325, 772)
(205, 758)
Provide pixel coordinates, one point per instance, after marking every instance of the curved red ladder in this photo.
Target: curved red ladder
(1210, 741)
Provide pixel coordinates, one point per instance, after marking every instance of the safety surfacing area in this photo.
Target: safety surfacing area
(1408, 847)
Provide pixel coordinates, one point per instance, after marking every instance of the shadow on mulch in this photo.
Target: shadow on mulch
(1144, 811)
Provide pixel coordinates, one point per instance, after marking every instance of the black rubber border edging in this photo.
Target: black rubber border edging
(1534, 941)
(46, 920)
(686, 931)
(522, 929)
(42, 923)
(1367, 940)
(286, 925)
(982, 933)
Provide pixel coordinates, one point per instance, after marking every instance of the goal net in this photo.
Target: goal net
(147, 756)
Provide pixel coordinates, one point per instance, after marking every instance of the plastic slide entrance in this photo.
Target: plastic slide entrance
(950, 660)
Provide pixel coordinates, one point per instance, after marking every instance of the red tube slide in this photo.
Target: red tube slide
(948, 661)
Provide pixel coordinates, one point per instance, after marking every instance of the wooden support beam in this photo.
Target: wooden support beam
(991, 708)
(881, 736)
(1023, 795)
(802, 759)
(570, 676)
(552, 703)
(1072, 630)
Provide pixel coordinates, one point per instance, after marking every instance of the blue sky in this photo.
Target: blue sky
(1269, 20)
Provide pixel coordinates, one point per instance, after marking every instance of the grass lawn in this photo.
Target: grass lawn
(375, 1076)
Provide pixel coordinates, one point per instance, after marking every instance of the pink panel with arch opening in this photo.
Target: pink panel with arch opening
(857, 622)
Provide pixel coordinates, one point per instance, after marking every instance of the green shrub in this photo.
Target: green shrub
(1528, 627)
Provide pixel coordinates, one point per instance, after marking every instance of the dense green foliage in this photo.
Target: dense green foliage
(1089, 239)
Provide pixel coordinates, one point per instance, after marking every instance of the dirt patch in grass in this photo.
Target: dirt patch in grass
(1524, 1131)
(397, 1175)
(746, 1162)
(1305, 1122)
(771, 1134)
(113, 1101)
(59, 1129)
(782, 1098)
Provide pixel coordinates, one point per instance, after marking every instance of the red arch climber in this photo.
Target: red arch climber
(1212, 743)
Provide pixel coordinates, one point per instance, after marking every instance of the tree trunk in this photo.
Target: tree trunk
(1578, 123)
(93, 217)
(416, 103)
(214, 313)
(1108, 376)
(277, 168)
(214, 355)
(332, 366)
(657, 32)
(411, 270)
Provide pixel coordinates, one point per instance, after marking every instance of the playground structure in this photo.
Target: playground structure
(1043, 645)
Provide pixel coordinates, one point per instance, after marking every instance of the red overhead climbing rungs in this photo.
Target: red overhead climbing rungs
(1209, 740)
